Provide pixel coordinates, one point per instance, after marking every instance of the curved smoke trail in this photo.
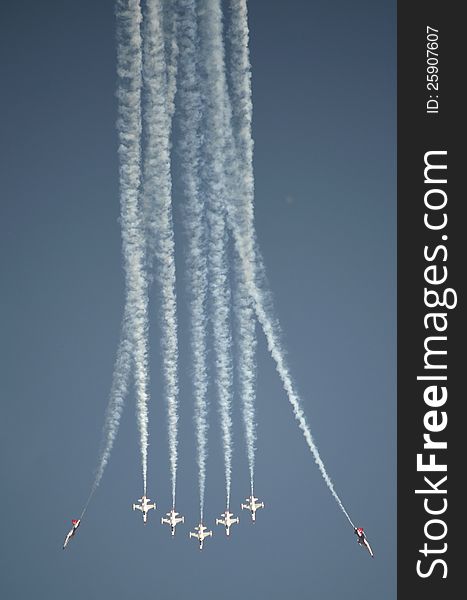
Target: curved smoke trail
(118, 393)
(243, 225)
(113, 413)
(194, 223)
(216, 188)
(131, 343)
(157, 198)
(129, 64)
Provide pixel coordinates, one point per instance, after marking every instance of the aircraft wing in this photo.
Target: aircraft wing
(68, 538)
(368, 547)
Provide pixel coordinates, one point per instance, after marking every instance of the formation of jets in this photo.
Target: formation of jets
(173, 518)
(144, 507)
(201, 532)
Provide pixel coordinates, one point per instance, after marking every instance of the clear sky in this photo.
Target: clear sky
(324, 91)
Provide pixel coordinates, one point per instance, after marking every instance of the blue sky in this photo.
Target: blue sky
(324, 127)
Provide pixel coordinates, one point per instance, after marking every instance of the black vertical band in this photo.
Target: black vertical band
(431, 259)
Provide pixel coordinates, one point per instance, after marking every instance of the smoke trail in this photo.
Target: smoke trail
(272, 332)
(194, 223)
(157, 194)
(216, 188)
(129, 63)
(243, 226)
(170, 18)
(238, 115)
(246, 336)
(118, 393)
(113, 413)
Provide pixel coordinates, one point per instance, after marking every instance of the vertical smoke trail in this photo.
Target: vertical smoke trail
(129, 63)
(214, 148)
(243, 226)
(194, 222)
(242, 105)
(241, 149)
(170, 19)
(246, 336)
(157, 195)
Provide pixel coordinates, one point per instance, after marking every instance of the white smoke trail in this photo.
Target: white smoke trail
(129, 64)
(113, 413)
(170, 18)
(214, 169)
(157, 195)
(243, 226)
(272, 332)
(194, 223)
(246, 336)
(130, 340)
(238, 114)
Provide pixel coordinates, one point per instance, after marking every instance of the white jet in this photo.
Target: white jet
(252, 505)
(227, 521)
(173, 519)
(144, 507)
(71, 533)
(200, 533)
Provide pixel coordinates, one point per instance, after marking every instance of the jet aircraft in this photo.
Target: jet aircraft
(71, 533)
(172, 519)
(200, 533)
(252, 505)
(361, 539)
(227, 520)
(144, 507)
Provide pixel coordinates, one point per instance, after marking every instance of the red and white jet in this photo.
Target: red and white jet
(361, 539)
(71, 533)
(144, 507)
(252, 505)
(173, 519)
(227, 521)
(200, 533)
